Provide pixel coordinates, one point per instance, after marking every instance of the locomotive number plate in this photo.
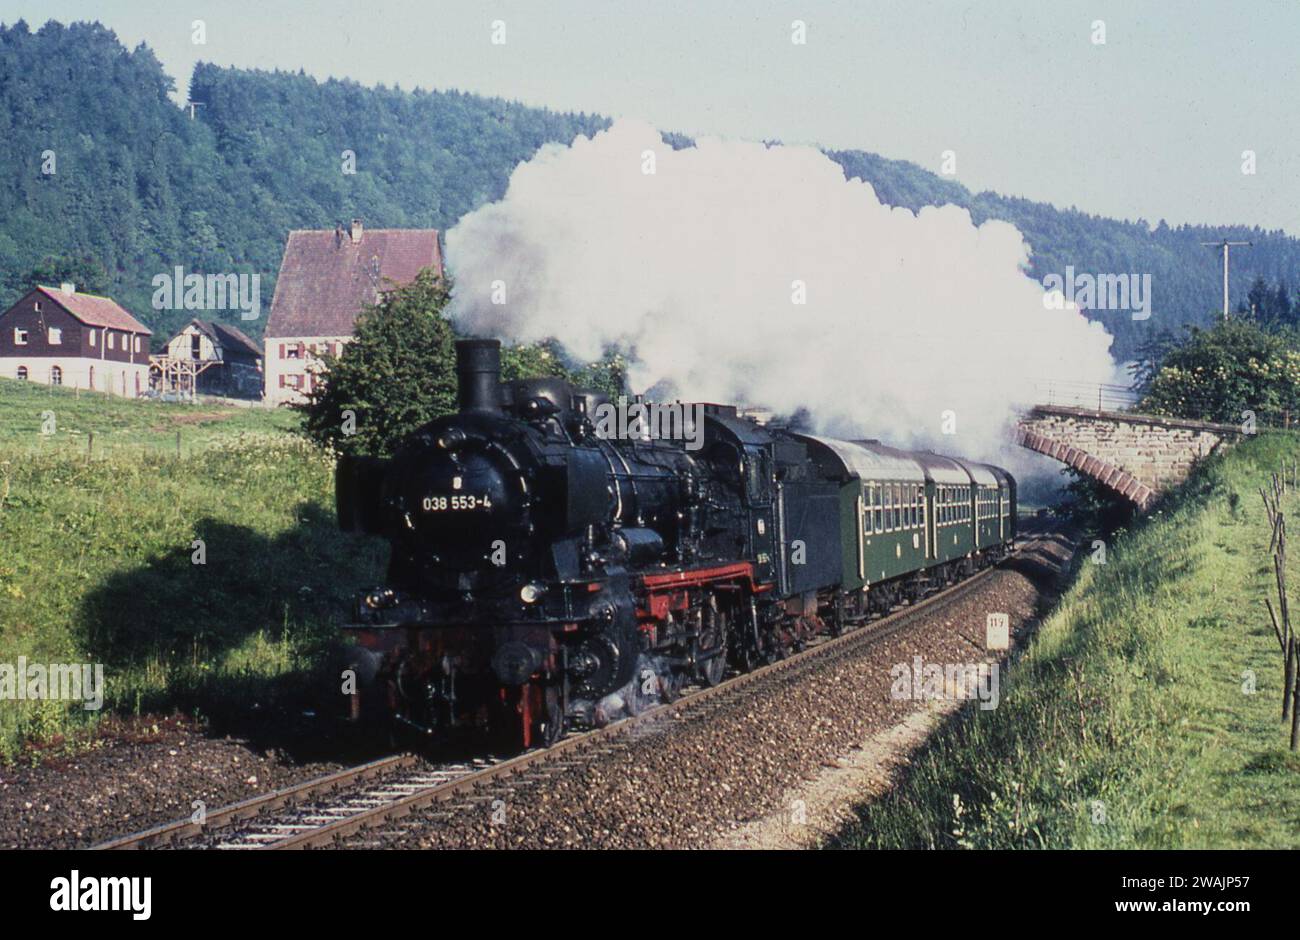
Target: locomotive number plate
(455, 503)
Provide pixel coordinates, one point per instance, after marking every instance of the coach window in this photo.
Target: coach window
(898, 505)
(876, 498)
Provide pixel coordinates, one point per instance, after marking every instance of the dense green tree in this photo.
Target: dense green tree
(1149, 356)
(87, 274)
(1259, 302)
(1225, 374)
(533, 361)
(396, 375)
(1283, 310)
(550, 359)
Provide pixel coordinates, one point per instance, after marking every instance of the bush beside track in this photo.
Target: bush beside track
(1124, 724)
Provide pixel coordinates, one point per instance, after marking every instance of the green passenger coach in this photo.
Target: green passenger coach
(910, 520)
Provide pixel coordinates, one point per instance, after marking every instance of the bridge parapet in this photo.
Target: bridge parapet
(1137, 456)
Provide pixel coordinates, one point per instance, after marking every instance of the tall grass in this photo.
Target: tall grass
(97, 555)
(1146, 713)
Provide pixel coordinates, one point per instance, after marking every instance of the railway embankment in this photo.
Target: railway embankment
(1145, 713)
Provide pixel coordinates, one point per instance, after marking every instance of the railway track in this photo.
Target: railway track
(379, 796)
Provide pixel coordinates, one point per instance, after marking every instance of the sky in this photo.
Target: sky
(1150, 124)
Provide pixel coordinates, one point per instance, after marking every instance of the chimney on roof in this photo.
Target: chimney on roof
(68, 287)
(356, 231)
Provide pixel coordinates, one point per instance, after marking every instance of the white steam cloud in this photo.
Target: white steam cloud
(740, 273)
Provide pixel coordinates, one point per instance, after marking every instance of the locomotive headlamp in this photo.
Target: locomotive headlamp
(532, 592)
(379, 599)
(451, 439)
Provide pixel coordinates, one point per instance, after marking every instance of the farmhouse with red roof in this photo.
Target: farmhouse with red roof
(326, 278)
(58, 336)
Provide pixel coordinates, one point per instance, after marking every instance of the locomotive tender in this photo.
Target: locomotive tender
(542, 576)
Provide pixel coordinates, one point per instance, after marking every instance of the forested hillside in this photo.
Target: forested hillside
(139, 187)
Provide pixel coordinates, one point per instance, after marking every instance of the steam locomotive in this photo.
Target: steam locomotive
(545, 575)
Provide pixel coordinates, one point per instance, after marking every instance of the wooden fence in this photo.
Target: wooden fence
(1282, 480)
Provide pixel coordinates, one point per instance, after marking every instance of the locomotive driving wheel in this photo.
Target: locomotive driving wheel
(711, 656)
(551, 727)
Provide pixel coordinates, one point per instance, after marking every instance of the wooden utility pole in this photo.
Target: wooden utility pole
(1224, 246)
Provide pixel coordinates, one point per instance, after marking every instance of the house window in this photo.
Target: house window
(295, 351)
(112, 339)
(20, 337)
(55, 336)
(137, 344)
(196, 346)
(92, 337)
(22, 373)
(36, 305)
(56, 375)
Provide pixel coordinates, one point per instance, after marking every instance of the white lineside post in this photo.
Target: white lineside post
(1224, 245)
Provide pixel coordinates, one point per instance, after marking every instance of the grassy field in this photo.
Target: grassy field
(97, 548)
(1130, 721)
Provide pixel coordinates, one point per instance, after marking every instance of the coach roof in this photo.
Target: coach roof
(871, 461)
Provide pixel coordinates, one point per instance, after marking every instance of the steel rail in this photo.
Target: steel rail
(583, 743)
(171, 832)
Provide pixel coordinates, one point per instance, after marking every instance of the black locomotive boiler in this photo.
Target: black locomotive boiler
(544, 576)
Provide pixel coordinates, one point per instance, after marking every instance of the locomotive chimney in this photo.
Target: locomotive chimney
(478, 375)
